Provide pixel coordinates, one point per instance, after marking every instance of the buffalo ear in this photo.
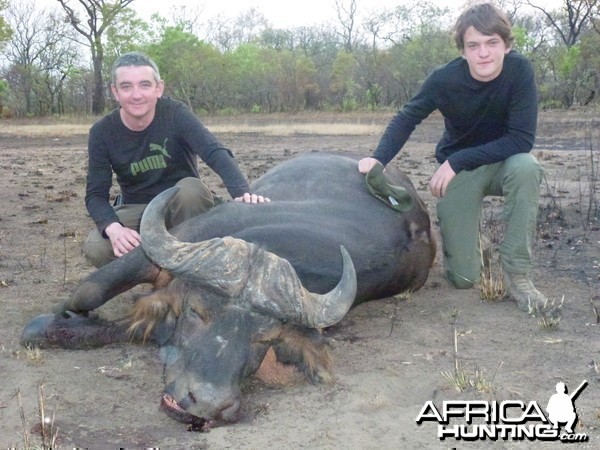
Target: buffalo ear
(152, 313)
(308, 350)
(276, 374)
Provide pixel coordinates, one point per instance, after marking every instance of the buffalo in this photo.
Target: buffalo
(241, 279)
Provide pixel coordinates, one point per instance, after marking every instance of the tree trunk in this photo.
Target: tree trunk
(98, 98)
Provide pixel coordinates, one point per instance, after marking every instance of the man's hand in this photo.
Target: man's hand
(252, 198)
(441, 179)
(366, 164)
(122, 239)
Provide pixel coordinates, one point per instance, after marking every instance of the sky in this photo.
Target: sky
(279, 13)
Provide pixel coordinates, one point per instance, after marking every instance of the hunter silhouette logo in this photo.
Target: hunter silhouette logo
(561, 408)
(152, 162)
(511, 419)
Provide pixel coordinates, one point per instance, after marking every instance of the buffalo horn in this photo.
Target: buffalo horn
(317, 310)
(239, 270)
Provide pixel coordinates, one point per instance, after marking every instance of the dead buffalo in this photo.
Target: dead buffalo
(246, 278)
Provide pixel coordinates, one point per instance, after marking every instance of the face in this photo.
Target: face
(484, 54)
(212, 349)
(137, 92)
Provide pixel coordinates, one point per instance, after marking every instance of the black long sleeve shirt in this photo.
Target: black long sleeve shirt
(149, 161)
(485, 122)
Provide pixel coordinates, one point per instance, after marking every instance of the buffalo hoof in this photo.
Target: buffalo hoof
(35, 332)
(72, 331)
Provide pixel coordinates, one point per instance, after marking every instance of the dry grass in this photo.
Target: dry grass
(269, 125)
(283, 124)
(31, 130)
(595, 308)
(548, 323)
(459, 378)
(282, 129)
(491, 283)
(34, 355)
(347, 129)
(491, 287)
(45, 427)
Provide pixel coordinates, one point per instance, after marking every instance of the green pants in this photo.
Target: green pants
(518, 180)
(193, 198)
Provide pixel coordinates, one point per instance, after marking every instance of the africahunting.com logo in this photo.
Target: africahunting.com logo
(472, 420)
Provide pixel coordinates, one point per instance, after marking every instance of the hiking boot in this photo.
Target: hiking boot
(520, 288)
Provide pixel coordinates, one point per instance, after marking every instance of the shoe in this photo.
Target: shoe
(520, 288)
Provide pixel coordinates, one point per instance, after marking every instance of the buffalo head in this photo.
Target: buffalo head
(229, 302)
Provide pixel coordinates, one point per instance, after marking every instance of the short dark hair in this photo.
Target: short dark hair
(485, 18)
(134, 59)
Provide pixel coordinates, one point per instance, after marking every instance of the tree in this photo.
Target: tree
(347, 15)
(240, 63)
(4, 88)
(39, 54)
(314, 49)
(5, 30)
(565, 76)
(415, 39)
(596, 20)
(343, 86)
(247, 78)
(100, 15)
(590, 56)
(187, 17)
(400, 24)
(227, 33)
(572, 20)
(291, 82)
(191, 69)
(126, 33)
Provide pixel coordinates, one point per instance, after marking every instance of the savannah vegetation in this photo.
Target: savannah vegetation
(55, 61)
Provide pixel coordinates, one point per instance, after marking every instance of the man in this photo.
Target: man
(489, 102)
(151, 143)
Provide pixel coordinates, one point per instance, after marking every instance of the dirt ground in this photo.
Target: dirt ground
(390, 355)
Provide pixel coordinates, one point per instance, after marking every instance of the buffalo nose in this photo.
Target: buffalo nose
(202, 404)
(225, 410)
(229, 411)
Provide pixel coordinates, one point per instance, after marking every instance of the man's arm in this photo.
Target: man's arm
(99, 182)
(219, 158)
(205, 145)
(400, 128)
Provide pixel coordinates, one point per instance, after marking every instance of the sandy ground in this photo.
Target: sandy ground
(390, 355)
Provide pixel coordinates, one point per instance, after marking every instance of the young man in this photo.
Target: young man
(151, 143)
(489, 102)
